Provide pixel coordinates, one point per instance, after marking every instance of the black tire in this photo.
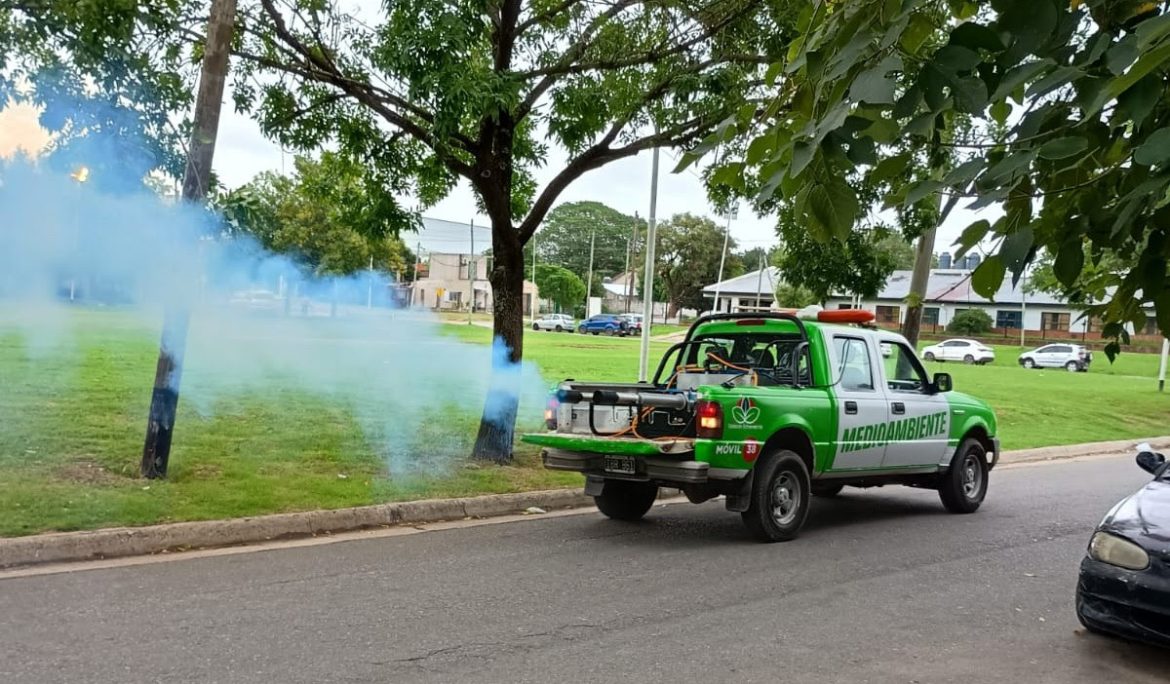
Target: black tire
(827, 490)
(560, 329)
(1029, 364)
(928, 356)
(536, 327)
(1072, 366)
(964, 485)
(766, 517)
(628, 501)
(968, 359)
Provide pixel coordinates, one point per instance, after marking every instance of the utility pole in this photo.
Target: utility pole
(589, 281)
(417, 266)
(626, 275)
(731, 213)
(164, 399)
(760, 281)
(631, 250)
(648, 279)
(471, 273)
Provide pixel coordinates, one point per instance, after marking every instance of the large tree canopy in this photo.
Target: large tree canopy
(688, 259)
(1070, 96)
(564, 238)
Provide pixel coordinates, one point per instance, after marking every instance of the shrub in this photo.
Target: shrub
(970, 322)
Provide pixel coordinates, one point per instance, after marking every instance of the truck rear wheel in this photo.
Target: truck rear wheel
(622, 500)
(780, 497)
(964, 485)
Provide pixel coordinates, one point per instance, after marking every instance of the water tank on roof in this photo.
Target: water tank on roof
(944, 260)
(972, 261)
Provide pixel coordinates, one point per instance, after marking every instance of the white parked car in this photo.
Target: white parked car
(1072, 357)
(557, 322)
(967, 351)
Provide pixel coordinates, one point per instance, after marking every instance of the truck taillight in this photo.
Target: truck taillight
(710, 415)
(550, 414)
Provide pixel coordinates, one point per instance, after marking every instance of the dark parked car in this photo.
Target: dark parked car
(603, 324)
(1124, 587)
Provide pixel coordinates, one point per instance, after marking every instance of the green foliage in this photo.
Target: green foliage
(564, 238)
(970, 322)
(561, 285)
(794, 296)
(688, 254)
(1070, 123)
(860, 263)
(327, 216)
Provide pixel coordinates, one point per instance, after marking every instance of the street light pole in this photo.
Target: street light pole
(589, 278)
(648, 282)
(723, 257)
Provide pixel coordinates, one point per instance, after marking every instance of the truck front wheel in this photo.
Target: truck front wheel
(780, 497)
(622, 500)
(964, 485)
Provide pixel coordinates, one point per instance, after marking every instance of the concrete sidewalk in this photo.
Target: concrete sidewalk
(134, 541)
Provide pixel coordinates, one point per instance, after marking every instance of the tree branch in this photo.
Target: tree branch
(548, 15)
(319, 68)
(601, 154)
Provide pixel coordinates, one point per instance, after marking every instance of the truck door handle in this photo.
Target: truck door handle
(898, 407)
(851, 407)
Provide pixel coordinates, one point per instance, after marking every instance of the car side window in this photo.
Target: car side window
(855, 372)
(1059, 349)
(904, 372)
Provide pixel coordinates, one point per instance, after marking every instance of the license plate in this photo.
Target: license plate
(624, 465)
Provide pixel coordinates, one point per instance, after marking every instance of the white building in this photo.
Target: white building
(451, 263)
(753, 291)
(949, 291)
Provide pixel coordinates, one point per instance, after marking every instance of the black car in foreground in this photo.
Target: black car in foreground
(1124, 588)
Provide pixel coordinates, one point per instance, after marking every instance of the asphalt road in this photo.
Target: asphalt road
(882, 587)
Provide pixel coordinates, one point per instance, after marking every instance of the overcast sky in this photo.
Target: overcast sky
(242, 152)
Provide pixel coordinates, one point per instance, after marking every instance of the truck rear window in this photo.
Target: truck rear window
(769, 354)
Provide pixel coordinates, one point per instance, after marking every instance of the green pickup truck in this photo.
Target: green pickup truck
(768, 410)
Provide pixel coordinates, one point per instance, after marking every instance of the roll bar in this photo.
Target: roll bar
(771, 315)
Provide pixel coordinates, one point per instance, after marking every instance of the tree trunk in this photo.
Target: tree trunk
(496, 427)
(164, 400)
(918, 282)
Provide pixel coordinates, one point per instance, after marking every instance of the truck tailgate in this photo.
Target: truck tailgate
(612, 445)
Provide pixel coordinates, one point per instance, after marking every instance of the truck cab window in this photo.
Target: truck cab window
(854, 369)
(904, 373)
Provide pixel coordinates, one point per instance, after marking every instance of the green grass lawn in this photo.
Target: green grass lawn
(72, 422)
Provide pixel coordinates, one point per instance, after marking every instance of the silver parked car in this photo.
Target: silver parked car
(1072, 357)
(557, 322)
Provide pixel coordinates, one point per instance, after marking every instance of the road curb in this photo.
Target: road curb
(1076, 450)
(61, 547)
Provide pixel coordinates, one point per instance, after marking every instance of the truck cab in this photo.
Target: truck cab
(767, 410)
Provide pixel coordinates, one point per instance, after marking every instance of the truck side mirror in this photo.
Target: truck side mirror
(1150, 461)
(942, 383)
